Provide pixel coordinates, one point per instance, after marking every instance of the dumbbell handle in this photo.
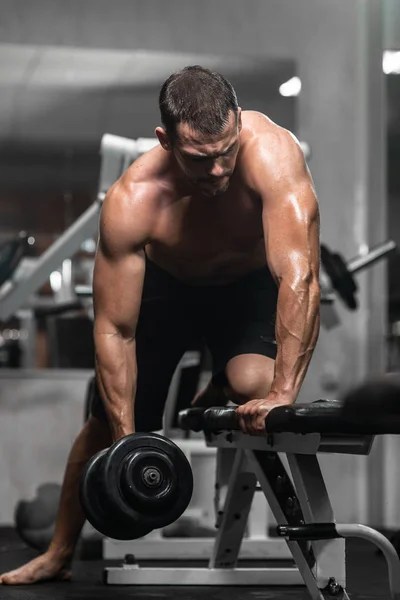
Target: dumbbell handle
(362, 262)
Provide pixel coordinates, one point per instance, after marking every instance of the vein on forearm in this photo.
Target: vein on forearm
(297, 328)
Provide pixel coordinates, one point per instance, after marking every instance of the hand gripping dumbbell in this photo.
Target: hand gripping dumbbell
(142, 482)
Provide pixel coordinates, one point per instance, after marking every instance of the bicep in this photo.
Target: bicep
(291, 230)
(119, 266)
(117, 291)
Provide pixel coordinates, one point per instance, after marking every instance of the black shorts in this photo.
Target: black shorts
(233, 319)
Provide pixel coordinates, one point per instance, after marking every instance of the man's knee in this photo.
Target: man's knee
(249, 377)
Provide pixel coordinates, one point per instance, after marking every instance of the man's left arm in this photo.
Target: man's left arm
(291, 232)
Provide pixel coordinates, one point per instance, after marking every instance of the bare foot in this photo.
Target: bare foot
(210, 396)
(42, 568)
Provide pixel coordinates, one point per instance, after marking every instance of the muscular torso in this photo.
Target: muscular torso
(206, 240)
(210, 240)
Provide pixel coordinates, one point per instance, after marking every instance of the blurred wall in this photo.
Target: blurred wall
(392, 24)
(177, 26)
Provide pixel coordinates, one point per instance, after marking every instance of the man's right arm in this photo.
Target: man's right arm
(117, 289)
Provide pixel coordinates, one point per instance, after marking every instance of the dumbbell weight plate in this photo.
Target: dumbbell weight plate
(97, 510)
(345, 284)
(148, 479)
(341, 279)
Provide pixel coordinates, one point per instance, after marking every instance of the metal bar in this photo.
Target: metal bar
(233, 517)
(392, 559)
(258, 522)
(192, 549)
(266, 467)
(84, 291)
(225, 460)
(15, 296)
(316, 507)
(361, 262)
(133, 575)
(117, 145)
(189, 359)
(118, 153)
(295, 443)
(358, 444)
(279, 442)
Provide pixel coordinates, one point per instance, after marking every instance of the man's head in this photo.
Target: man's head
(201, 126)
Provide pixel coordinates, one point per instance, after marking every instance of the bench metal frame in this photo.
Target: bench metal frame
(253, 463)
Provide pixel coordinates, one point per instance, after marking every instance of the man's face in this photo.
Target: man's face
(208, 161)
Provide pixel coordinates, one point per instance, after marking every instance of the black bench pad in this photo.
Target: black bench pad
(322, 416)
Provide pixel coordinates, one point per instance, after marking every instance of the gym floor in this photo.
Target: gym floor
(367, 579)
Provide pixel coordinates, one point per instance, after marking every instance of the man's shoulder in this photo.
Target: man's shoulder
(129, 199)
(149, 172)
(144, 183)
(260, 131)
(269, 152)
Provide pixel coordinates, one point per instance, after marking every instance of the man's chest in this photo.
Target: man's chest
(205, 224)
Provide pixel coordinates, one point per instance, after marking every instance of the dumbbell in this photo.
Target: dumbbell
(340, 273)
(142, 482)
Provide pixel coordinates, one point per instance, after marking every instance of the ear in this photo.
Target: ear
(163, 138)
(239, 119)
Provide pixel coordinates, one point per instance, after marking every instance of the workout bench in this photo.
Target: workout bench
(296, 495)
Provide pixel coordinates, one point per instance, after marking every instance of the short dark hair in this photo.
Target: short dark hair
(199, 97)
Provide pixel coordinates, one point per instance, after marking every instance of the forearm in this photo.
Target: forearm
(116, 372)
(297, 329)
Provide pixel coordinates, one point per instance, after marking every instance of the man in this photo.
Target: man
(212, 235)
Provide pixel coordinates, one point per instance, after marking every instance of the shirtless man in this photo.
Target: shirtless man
(212, 235)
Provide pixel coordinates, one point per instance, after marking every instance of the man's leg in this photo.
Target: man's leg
(249, 377)
(240, 334)
(54, 564)
(211, 395)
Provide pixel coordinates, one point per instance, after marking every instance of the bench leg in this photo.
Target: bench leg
(235, 494)
(389, 552)
(281, 496)
(330, 555)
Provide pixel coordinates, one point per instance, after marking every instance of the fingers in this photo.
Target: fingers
(252, 417)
